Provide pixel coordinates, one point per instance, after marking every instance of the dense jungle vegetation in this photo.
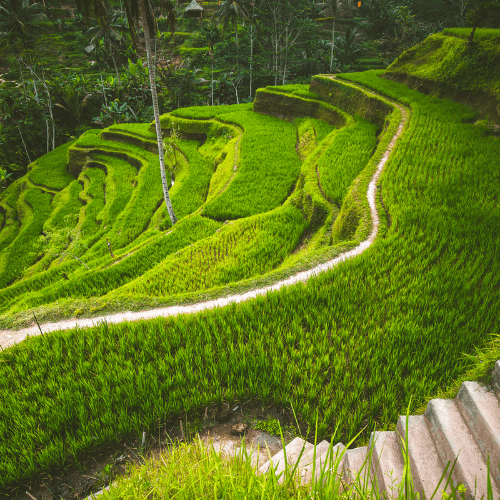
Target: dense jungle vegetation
(149, 158)
(61, 73)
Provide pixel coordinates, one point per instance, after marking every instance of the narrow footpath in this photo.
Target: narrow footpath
(11, 337)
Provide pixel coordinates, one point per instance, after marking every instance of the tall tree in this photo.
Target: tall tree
(479, 11)
(332, 9)
(140, 12)
(229, 12)
(212, 34)
(19, 21)
(112, 37)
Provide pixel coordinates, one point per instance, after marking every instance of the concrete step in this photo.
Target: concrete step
(356, 464)
(454, 439)
(481, 411)
(425, 462)
(328, 460)
(309, 459)
(293, 451)
(495, 375)
(387, 461)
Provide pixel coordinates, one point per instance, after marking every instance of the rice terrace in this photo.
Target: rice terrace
(332, 263)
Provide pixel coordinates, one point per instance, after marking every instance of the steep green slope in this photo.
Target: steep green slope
(349, 349)
(107, 239)
(444, 65)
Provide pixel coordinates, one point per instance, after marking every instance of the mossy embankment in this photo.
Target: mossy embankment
(446, 66)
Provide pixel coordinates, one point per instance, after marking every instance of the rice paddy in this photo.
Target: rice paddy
(347, 349)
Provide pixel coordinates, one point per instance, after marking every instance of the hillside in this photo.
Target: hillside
(105, 188)
(261, 191)
(444, 65)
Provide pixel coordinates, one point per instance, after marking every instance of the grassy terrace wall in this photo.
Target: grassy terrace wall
(445, 66)
(285, 106)
(352, 100)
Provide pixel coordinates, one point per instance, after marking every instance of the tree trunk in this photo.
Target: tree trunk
(154, 97)
(472, 35)
(24, 144)
(212, 79)
(251, 59)
(116, 68)
(333, 44)
(237, 47)
(46, 87)
(103, 92)
(286, 55)
(48, 135)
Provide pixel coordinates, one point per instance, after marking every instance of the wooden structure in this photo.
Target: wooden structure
(193, 10)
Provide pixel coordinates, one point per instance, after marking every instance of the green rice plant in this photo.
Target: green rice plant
(110, 276)
(93, 197)
(118, 187)
(8, 203)
(238, 250)
(480, 33)
(296, 104)
(51, 169)
(207, 112)
(139, 129)
(21, 253)
(271, 167)
(345, 158)
(65, 204)
(352, 100)
(310, 132)
(349, 347)
(289, 89)
(191, 185)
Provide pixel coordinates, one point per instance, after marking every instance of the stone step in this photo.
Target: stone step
(387, 461)
(330, 461)
(495, 375)
(293, 450)
(308, 461)
(425, 462)
(356, 464)
(481, 411)
(454, 439)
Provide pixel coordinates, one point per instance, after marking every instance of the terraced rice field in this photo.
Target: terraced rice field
(348, 349)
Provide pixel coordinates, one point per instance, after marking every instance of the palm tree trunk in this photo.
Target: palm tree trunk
(212, 79)
(333, 44)
(102, 84)
(116, 68)
(24, 144)
(251, 47)
(154, 97)
(237, 47)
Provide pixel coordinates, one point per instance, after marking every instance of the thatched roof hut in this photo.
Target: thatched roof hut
(194, 9)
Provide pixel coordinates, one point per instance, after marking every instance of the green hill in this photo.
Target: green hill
(260, 193)
(246, 204)
(445, 66)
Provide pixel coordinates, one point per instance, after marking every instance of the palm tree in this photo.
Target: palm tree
(212, 34)
(111, 37)
(333, 7)
(229, 12)
(141, 11)
(19, 21)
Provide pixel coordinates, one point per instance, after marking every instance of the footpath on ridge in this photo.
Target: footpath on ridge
(11, 337)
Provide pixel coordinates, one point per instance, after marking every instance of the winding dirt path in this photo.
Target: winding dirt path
(10, 337)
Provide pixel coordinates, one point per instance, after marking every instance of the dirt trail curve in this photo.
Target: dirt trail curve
(10, 337)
